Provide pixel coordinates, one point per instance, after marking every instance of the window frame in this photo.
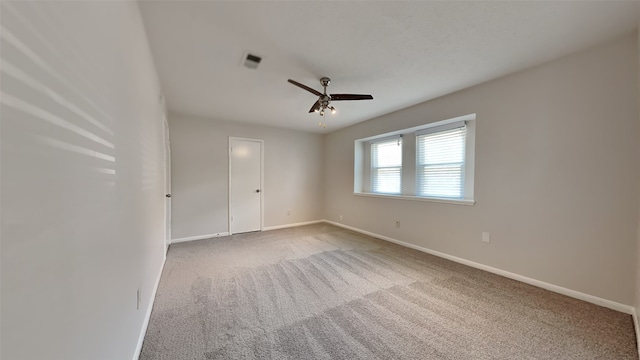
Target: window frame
(420, 166)
(362, 163)
(372, 168)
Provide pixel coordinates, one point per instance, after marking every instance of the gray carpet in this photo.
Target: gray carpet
(322, 292)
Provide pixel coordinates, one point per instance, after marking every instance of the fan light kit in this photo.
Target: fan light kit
(323, 103)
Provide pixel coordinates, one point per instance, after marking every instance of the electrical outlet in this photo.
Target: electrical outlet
(486, 237)
(288, 212)
(138, 299)
(340, 217)
(398, 224)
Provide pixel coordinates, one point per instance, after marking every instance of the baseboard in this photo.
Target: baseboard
(541, 284)
(199, 237)
(267, 228)
(147, 315)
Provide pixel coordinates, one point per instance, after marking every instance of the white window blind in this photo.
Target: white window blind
(441, 162)
(386, 166)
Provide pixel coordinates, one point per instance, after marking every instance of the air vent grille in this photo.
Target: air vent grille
(251, 61)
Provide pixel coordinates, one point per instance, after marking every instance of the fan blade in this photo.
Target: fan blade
(339, 97)
(317, 93)
(315, 106)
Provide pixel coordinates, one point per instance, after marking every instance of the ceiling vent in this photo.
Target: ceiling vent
(251, 61)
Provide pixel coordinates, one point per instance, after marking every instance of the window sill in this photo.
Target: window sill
(465, 202)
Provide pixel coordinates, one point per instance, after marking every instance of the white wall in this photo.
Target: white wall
(556, 178)
(200, 174)
(82, 179)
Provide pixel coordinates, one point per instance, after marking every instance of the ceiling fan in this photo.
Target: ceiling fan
(324, 100)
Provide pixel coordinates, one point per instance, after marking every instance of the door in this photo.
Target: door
(245, 185)
(167, 185)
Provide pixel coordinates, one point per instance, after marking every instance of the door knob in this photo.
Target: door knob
(168, 195)
(257, 190)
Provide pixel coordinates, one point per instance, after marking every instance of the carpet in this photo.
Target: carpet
(323, 292)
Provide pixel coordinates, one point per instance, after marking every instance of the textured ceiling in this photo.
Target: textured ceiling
(402, 53)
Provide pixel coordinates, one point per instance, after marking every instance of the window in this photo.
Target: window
(430, 162)
(440, 168)
(386, 166)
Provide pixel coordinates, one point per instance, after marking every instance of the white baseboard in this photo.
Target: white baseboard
(199, 237)
(147, 315)
(541, 284)
(267, 228)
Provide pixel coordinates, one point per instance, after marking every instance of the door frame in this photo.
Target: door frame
(167, 183)
(261, 142)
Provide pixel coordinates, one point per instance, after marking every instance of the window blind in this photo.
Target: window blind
(386, 166)
(441, 163)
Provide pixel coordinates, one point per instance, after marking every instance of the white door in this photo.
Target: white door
(245, 185)
(167, 185)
